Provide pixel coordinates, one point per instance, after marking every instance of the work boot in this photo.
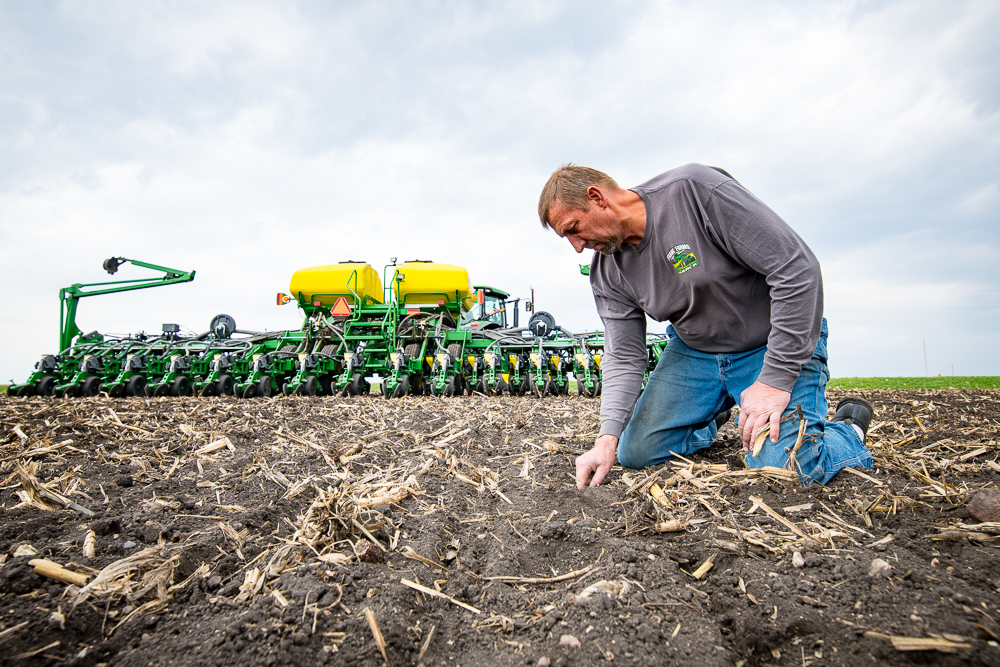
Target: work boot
(722, 418)
(855, 411)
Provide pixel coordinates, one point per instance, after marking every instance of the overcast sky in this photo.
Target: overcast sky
(246, 140)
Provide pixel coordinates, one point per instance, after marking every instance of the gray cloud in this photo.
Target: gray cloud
(246, 140)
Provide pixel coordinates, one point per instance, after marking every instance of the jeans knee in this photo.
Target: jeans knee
(629, 457)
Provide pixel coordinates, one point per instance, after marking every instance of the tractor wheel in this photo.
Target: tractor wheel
(181, 386)
(265, 387)
(210, 389)
(224, 386)
(45, 385)
(135, 386)
(117, 390)
(91, 386)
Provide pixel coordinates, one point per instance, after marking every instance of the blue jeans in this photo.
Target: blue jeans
(687, 389)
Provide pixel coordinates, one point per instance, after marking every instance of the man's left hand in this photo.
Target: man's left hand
(760, 404)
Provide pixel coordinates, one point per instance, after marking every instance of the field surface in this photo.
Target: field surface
(315, 531)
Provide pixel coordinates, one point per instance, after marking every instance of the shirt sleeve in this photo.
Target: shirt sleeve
(625, 356)
(757, 237)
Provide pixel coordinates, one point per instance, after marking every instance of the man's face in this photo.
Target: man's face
(596, 228)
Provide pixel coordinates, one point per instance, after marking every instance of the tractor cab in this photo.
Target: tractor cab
(487, 311)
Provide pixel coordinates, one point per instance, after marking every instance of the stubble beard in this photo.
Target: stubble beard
(610, 247)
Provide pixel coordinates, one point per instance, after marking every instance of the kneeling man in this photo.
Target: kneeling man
(744, 298)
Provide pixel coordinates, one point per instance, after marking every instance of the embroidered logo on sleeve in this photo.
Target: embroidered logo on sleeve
(682, 258)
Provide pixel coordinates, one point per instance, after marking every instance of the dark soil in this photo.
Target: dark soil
(293, 500)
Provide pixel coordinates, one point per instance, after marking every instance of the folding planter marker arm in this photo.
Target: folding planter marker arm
(70, 296)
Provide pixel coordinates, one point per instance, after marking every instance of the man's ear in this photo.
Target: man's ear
(596, 195)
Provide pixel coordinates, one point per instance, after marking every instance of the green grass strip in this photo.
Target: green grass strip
(939, 382)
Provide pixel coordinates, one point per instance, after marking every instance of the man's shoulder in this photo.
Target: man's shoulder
(698, 173)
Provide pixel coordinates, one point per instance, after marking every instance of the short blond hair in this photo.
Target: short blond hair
(568, 185)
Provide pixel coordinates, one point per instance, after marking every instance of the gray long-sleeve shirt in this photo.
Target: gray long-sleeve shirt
(722, 267)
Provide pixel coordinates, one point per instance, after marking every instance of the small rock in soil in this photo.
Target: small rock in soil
(879, 568)
(569, 641)
(985, 505)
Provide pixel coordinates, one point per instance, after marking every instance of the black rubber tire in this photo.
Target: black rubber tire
(45, 385)
(402, 388)
(162, 390)
(250, 391)
(225, 385)
(136, 386)
(286, 389)
(26, 391)
(57, 393)
(117, 390)
(265, 387)
(581, 388)
(597, 388)
(326, 383)
(310, 386)
(181, 386)
(449, 387)
(357, 386)
(210, 389)
(72, 391)
(91, 386)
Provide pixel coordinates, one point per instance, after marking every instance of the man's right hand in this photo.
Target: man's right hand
(593, 467)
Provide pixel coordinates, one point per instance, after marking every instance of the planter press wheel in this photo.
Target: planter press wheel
(308, 388)
(402, 388)
(483, 386)
(26, 391)
(45, 385)
(250, 391)
(550, 388)
(181, 386)
(326, 383)
(501, 387)
(91, 386)
(117, 390)
(210, 389)
(162, 390)
(135, 386)
(265, 387)
(225, 385)
(72, 391)
(357, 385)
(583, 390)
(449, 386)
